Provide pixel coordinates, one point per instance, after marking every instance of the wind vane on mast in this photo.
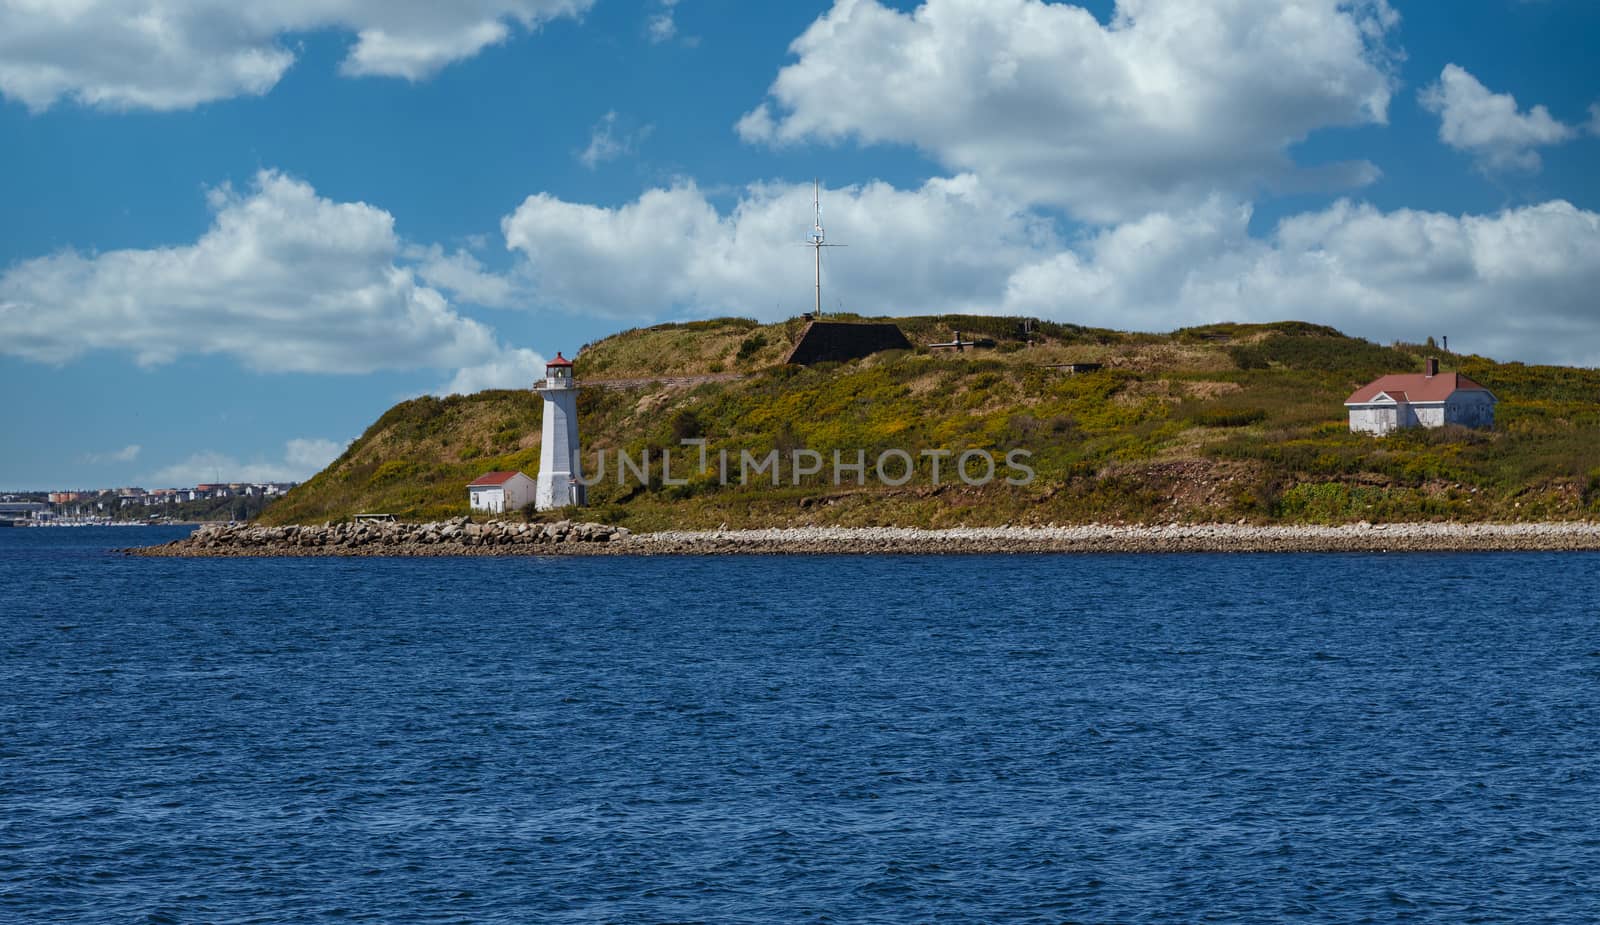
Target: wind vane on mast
(819, 240)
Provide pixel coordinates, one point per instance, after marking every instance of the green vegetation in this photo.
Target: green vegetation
(243, 508)
(1222, 422)
(416, 460)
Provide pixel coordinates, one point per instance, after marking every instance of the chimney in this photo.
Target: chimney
(1433, 367)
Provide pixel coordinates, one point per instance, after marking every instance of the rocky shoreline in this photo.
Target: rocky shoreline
(456, 537)
(461, 537)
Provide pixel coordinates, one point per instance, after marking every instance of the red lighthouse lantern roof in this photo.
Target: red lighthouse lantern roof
(559, 360)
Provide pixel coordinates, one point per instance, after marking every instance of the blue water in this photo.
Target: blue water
(1318, 738)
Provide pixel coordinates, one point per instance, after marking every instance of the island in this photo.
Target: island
(1024, 425)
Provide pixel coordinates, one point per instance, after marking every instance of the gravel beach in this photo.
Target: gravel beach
(462, 538)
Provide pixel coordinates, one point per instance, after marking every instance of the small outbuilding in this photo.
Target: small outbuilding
(499, 492)
(1427, 399)
(841, 341)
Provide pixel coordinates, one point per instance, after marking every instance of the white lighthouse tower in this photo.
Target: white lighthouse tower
(558, 451)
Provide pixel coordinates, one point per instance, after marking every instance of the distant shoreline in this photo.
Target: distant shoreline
(451, 539)
(57, 525)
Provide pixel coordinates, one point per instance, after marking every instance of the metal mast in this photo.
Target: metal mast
(818, 239)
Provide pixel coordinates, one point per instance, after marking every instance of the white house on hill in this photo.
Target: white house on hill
(499, 492)
(1429, 399)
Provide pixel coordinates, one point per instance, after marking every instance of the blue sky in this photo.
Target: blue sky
(231, 239)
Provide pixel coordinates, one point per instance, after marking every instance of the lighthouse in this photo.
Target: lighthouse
(558, 452)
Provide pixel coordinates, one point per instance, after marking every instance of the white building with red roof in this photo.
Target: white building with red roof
(500, 492)
(1426, 399)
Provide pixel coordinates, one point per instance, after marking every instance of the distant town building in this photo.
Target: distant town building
(112, 500)
(558, 453)
(1427, 399)
(499, 492)
(21, 512)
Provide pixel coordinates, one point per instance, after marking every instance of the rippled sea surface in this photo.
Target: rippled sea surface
(1319, 738)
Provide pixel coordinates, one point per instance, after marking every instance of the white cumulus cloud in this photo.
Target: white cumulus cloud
(312, 453)
(463, 276)
(1170, 101)
(661, 26)
(176, 54)
(1518, 284)
(512, 369)
(302, 458)
(127, 454)
(284, 281)
(951, 243)
(607, 142)
(1488, 125)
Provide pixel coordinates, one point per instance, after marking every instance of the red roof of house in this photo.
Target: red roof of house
(493, 478)
(559, 360)
(1413, 387)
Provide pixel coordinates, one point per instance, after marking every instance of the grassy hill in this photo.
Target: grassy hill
(1223, 422)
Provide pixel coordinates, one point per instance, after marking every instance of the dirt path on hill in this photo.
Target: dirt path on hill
(658, 380)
